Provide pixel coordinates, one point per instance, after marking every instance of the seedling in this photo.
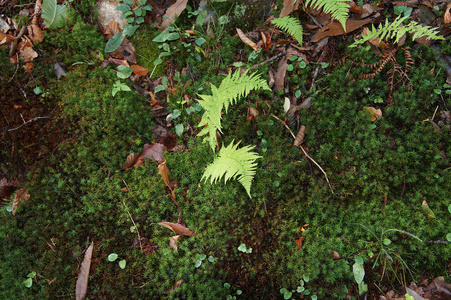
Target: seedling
(29, 281)
(201, 258)
(244, 249)
(113, 257)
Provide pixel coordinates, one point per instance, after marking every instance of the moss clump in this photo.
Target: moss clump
(146, 50)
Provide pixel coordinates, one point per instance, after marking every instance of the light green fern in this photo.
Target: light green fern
(231, 89)
(396, 32)
(291, 25)
(231, 163)
(339, 9)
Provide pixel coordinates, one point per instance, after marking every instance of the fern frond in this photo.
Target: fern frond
(396, 32)
(291, 25)
(232, 163)
(230, 90)
(339, 9)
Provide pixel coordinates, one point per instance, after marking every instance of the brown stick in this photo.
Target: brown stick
(305, 153)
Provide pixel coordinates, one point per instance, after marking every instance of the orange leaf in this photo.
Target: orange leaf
(447, 16)
(140, 71)
(21, 196)
(335, 28)
(247, 40)
(299, 242)
(35, 33)
(6, 38)
(177, 228)
(133, 160)
(163, 170)
(111, 29)
(374, 114)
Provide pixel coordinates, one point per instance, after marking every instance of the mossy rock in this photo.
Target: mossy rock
(146, 50)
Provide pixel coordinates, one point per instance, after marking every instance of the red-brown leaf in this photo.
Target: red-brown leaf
(177, 228)
(21, 196)
(133, 160)
(140, 71)
(154, 152)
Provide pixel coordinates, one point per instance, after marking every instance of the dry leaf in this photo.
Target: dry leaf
(447, 16)
(35, 33)
(27, 53)
(133, 160)
(288, 7)
(300, 136)
(173, 12)
(177, 228)
(299, 241)
(21, 196)
(6, 38)
(140, 71)
(111, 29)
(154, 152)
(83, 277)
(335, 255)
(173, 241)
(374, 114)
(125, 51)
(163, 170)
(335, 28)
(247, 40)
(280, 74)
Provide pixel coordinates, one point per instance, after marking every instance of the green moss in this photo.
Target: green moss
(146, 50)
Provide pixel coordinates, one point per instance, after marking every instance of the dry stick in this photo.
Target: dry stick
(305, 153)
(34, 119)
(126, 208)
(268, 60)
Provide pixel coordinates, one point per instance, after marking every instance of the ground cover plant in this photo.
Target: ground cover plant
(332, 137)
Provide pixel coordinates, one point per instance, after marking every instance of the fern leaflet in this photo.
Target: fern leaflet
(396, 32)
(339, 9)
(230, 90)
(291, 25)
(231, 163)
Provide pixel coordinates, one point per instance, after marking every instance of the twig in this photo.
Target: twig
(314, 20)
(305, 153)
(433, 116)
(268, 60)
(131, 218)
(34, 119)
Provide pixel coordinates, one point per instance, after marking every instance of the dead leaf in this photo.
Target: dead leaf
(163, 170)
(335, 255)
(27, 53)
(177, 228)
(447, 16)
(125, 51)
(173, 241)
(60, 70)
(111, 29)
(173, 12)
(35, 33)
(300, 136)
(154, 151)
(440, 288)
(6, 38)
(21, 196)
(335, 28)
(288, 7)
(247, 40)
(354, 8)
(280, 74)
(299, 241)
(83, 277)
(374, 114)
(140, 71)
(132, 161)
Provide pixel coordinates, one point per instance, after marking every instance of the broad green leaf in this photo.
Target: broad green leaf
(306, 278)
(359, 272)
(114, 43)
(242, 247)
(179, 129)
(129, 29)
(363, 288)
(54, 15)
(123, 8)
(122, 264)
(211, 259)
(287, 295)
(358, 260)
(124, 71)
(112, 257)
(31, 274)
(28, 283)
(200, 41)
(198, 263)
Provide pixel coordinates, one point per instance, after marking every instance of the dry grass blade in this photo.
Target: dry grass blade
(82, 281)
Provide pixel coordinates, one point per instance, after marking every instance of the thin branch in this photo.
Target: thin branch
(34, 119)
(268, 60)
(305, 153)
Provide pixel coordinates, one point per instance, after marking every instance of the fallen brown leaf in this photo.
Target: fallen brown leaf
(163, 170)
(447, 16)
(335, 255)
(374, 114)
(300, 136)
(6, 38)
(173, 241)
(35, 33)
(125, 51)
(288, 7)
(83, 277)
(140, 71)
(247, 40)
(335, 28)
(177, 228)
(154, 152)
(132, 161)
(173, 12)
(22, 195)
(111, 29)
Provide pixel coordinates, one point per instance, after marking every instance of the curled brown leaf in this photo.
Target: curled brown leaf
(22, 195)
(247, 40)
(177, 228)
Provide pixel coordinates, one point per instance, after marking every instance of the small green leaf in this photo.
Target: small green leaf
(37, 90)
(438, 91)
(227, 285)
(114, 43)
(112, 257)
(287, 295)
(408, 297)
(129, 29)
(283, 290)
(148, 7)
(202, 257)
(307, 292)
(239, 292)
(298, 94)
(293, 58)
(159, 88)
(302, 64)
(31, 274)
(314, 297)
(306, 278)
(290, 68)
(358, 260)
(286, 104)
(242, 247)
(387, 242)
(324, 65)
(123, 8)
(28, 283)
(211, 259)
(300, 289)
(124, 71)
(200, 41)
(363, 288)
(157, 61)
(133, 229)
(359, 272)
(448, 237)
(449, 208)
(198, 263)
(122, 264)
